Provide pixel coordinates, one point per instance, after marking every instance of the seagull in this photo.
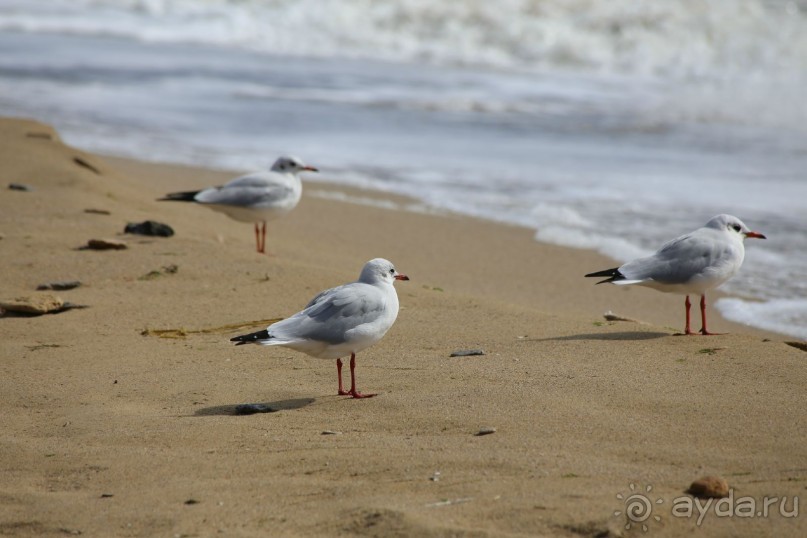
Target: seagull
(693, 263)
(255, 197)
(339, 321)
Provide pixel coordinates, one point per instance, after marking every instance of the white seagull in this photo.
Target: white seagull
(255, 197)
(693, 263)
(339, 321)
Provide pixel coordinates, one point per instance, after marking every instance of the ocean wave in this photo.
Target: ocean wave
(672, 38)
(785, 316)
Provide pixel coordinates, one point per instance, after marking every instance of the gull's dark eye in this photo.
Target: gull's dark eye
(736, 227)
(392, 271)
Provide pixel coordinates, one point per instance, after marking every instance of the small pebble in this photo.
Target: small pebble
(97, 211)
(149, 227)
(708, 487)
(59, 286)
(435, 477)
(86, 164)
(191, 501)
(798, 345)
(485, 431)
(106, 495)
(46, 136)
(331, 432)
(19, 187)
(467, 353)
(105, 244)
(251, 409)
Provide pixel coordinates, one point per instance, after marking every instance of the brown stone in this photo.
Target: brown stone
(105, 244)
(709, 486)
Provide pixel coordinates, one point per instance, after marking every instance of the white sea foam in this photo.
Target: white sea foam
(615, 247)
(779, 315)
(677, 38)
(738, 52)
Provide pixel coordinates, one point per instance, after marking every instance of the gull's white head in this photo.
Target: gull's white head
(292, 165)
(380, 270)
(733, 226)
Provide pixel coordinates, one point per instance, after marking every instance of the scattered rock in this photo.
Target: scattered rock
(19, 187)
(485, 431)
(331, 432)
(709, 486)
(59, 286)
(97, 211)
(191, 501)
(106, 495)
(85, 164)
(435, 477)
(104, 244)
(251, 409)
(467, 353)
(42, 346)
(149, 227)
(798, 345)
(46, 136)
(35, 304)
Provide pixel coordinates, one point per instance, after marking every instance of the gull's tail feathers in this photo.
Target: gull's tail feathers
(187, 196)
(613, 276)
(259, 337)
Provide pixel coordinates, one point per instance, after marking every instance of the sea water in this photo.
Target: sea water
(611, 126)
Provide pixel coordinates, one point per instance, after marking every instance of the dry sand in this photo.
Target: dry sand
(112, 428)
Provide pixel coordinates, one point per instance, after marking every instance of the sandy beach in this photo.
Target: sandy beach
(119, 418)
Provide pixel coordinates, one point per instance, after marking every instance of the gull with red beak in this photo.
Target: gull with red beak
(255, 197)
(693, 263)
(340, 321)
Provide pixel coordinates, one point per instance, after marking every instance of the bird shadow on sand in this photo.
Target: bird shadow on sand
(253, 408)
(622, 335)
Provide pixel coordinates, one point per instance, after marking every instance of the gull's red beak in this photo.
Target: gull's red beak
(310, 168)
(401, 277)
(755, 234)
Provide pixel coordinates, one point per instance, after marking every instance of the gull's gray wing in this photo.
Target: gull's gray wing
(333, 313)
(263, 179)
(681, 259)
(258, 189)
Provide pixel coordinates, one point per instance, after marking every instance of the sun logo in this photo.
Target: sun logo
(638, 507)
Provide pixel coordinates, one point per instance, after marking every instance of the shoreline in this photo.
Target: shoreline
(645, 305)
(114, 428)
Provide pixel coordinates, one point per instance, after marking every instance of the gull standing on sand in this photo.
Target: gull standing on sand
(693, 263)
(255, 197)
(340, 321)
